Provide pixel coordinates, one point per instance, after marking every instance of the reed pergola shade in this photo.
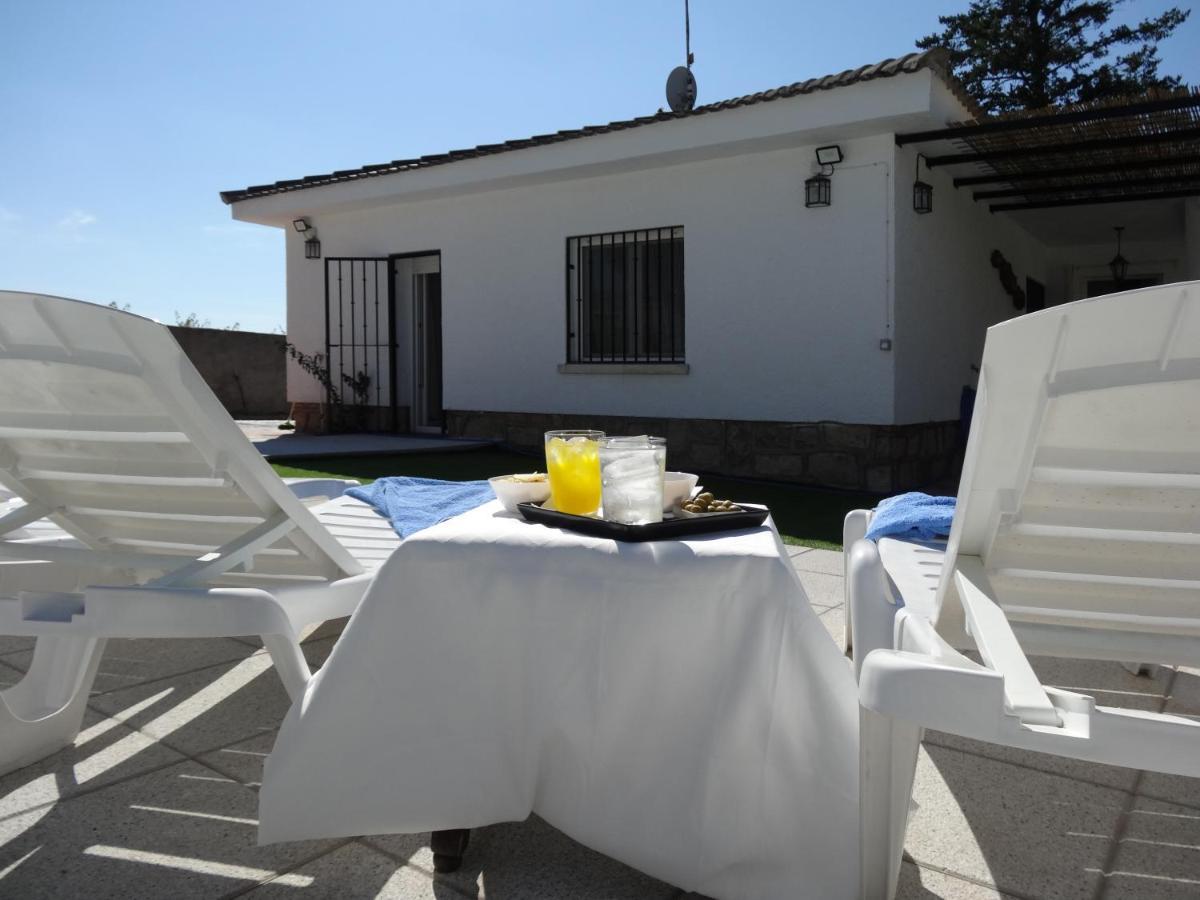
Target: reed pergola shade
(1141, 148)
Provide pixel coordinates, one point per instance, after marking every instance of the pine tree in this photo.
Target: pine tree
(1027, 54)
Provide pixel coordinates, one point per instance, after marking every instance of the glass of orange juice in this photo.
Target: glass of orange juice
(573, 464)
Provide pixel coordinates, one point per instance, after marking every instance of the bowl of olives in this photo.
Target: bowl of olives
(707, 504)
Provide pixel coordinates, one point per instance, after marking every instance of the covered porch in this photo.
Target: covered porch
(1111, 191)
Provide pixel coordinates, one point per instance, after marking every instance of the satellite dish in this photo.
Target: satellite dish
(681, 89)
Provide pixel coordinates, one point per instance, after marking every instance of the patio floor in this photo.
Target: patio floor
(157, 799)
(271, 442)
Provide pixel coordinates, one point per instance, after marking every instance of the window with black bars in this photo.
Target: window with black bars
(625, 297)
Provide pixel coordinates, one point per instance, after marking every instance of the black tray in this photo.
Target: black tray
(670, 527)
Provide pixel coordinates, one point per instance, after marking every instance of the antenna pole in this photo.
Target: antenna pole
(687, 33)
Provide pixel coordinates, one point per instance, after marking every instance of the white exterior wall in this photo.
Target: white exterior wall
(785, 306)
(947, 292)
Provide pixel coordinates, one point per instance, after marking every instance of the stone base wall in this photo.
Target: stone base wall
(879, 458)
(313, 418)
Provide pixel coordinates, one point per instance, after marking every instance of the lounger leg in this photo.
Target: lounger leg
(289, 663)
(42, 713)
(887, 763)
(448, 848)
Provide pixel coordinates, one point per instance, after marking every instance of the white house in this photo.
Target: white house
(665, 274)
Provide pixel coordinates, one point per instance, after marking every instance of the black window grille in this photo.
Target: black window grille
(625, 297)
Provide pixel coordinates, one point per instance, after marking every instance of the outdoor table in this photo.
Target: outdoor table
(676, 705)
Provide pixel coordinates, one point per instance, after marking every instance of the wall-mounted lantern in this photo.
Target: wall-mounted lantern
(922, 192)
(1118, 265)
(312, 246)
(818, 190)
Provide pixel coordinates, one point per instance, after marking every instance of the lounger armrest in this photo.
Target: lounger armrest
(962, 698)
(934, 693)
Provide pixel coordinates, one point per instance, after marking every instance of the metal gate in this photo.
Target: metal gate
(360, 332)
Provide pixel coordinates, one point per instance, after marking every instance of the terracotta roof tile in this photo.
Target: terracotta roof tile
(934, 60)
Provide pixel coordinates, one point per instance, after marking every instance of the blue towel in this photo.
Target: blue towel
(412, 504)
(915, 516)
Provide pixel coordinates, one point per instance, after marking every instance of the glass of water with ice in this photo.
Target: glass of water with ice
(631, 478)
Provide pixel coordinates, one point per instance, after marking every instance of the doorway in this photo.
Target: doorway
(427, 351)
(1098, 287)
(417, 293)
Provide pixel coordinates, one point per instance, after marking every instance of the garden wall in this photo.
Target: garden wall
(245, 369)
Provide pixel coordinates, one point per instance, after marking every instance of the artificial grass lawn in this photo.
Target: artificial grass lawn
(805, 516)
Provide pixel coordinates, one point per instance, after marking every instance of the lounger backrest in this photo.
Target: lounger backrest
(106, 427)
(1080, 489)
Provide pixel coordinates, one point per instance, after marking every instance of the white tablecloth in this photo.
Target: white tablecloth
(675, 705)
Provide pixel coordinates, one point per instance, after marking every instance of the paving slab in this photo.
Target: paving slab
(828, 562)
(244, 760)
(177, 832)
(834, 620)
(104, 752)
(1183, 700)
(528, 859)
(127, 662)
(10, 643)
(1029, 833)
(1109, 682)
(355, 870)
(919, 883)
(273, 443)
(1158, 857)
(823, 590)
(200, 711)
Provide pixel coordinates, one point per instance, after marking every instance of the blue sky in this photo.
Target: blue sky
(121, 120)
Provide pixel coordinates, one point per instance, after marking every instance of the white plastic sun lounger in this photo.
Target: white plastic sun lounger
(1076, 534)
(141, 510)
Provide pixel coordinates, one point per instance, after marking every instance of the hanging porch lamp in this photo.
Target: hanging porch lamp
(922, 192)
(1118, 265)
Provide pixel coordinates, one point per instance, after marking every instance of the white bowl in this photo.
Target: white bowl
(677, 487)
(510, 492)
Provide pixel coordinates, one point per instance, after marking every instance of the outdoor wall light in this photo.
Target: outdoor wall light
(818, 191)
(922, 192)
(312, 246)
(1118, 265)
(830, 155)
